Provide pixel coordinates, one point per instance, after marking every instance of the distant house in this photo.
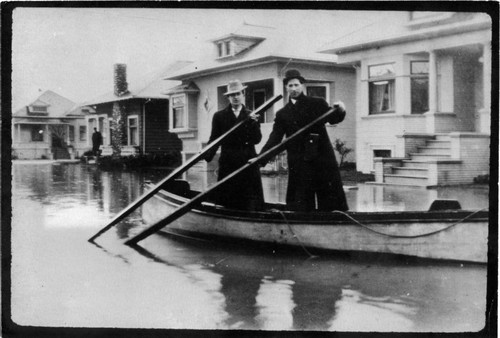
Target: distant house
(258, 56)
(50, 127)
(423, 97)
(143, 111)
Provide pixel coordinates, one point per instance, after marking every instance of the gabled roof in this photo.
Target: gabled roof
(385, 33)
(190, 87)
(274, 44)
(57, 105)
(152, 86)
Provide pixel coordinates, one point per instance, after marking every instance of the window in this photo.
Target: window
(83, 133)
(317, 90)
(224, 48)
(220, 49)
(381, 88)
(419, 86)
(179, 116)
(133, 132)
(72, 133)
(40, 109)
(381, 153)
(37, 133)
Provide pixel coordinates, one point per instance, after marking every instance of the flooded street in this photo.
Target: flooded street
(59, 279)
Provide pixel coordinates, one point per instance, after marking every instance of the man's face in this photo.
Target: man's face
(236, 99)
(294, 88)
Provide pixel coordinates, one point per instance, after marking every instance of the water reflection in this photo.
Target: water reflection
(274, 302)
(367, 197)
(59, 279)
(358, 312)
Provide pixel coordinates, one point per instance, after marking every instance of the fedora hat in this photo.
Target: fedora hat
(293, 74)
(234, 87)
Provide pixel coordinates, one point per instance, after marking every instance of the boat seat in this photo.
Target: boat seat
(178, 187)
(442, 204)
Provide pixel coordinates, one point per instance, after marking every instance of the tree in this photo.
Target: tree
(342, 149)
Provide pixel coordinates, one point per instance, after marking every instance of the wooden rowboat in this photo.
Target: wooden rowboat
(443, 234)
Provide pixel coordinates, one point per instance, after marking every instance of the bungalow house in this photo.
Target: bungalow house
(137, 116)
(423, 96)
(50, 127)
(258, 56)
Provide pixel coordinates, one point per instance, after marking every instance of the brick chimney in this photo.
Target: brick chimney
(121, 86)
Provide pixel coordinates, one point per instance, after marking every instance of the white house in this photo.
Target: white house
(258, 56)
(423, 84)
(51, 127)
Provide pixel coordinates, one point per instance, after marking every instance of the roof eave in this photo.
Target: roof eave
(406, 38)
(248, 63)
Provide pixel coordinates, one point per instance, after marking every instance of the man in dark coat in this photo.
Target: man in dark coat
(96, 142)
(245, 190)
(314, 181)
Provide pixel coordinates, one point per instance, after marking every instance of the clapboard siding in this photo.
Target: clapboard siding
(157, 137)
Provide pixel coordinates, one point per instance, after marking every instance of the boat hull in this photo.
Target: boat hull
(450, 235)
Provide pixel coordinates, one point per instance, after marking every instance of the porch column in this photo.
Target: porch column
(278, 89)
(430, 115)
(19, 132)
(432, 82)
(485, 112)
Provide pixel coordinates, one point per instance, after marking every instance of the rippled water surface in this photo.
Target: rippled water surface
(61, 280)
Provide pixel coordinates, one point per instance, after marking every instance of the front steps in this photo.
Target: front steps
(416, 170)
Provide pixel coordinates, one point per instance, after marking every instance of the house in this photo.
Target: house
(258, 56)
(423, 96)
(51, 127)
(134, 119)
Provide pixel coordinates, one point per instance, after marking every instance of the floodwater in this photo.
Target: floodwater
(59, 279)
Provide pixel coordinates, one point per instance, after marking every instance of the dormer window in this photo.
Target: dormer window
(39, 109)
(225, 48)
(234, 44)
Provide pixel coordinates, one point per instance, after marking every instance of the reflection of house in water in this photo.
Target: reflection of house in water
(392, 198)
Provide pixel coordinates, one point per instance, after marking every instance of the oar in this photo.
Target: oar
(187, 206)
(177, 172)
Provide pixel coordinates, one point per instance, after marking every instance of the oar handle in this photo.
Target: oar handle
(197, 199)
(177, 172)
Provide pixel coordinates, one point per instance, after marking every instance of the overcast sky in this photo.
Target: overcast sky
(71, 51)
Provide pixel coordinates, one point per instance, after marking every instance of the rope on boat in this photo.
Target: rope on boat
(405, 236)
(294, 235)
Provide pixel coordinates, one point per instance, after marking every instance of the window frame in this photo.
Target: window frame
(71, 133)
(185, 115)
(35, 131)
(82, 133)
(136, 118)
(414, 76)
(326, 85)
(391, 80)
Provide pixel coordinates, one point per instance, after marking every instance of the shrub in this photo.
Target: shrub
(167, 159)
(482, 179)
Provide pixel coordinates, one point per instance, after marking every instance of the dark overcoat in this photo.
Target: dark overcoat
(245, 190)
(313, 173)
